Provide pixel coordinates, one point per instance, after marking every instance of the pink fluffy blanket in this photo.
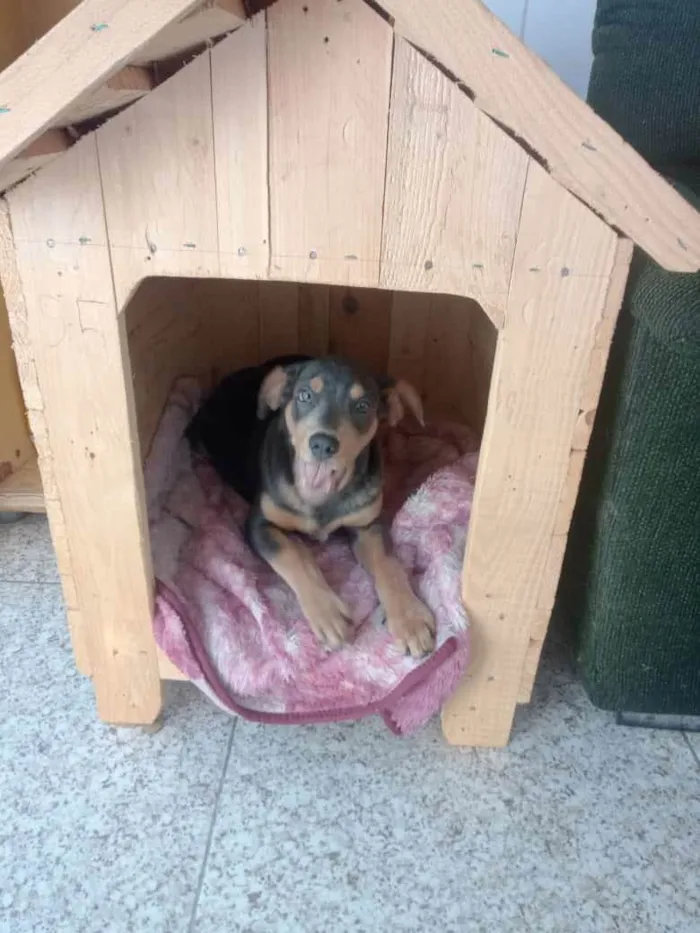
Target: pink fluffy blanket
(226, 620)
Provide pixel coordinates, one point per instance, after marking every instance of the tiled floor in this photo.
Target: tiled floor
(212, 826)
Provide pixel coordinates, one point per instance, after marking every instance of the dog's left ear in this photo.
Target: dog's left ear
(276, 389)
(397, 396)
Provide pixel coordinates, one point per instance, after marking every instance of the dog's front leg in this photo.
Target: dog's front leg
(326, 613)
(409, 620)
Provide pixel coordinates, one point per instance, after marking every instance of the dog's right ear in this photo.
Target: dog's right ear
(277, 388)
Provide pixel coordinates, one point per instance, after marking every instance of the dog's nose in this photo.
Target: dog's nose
(323, 446)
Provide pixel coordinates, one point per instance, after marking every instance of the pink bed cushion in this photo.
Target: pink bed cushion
(226, 620)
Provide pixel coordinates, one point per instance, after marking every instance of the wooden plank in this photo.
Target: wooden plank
(540, 375)
(79, 54)
(21, 491)
(76, 628)
(37, 154)
(79, 346)
(77, 624)
(454, 189)
(123, 88)
(581, 151)
(410, 313)
(329, 75)
(604, 336)
(42, 442)
(17, 310)
(211, 19)
(314, 309)
(149, 155)
(166, 338)
(444, 345)
(239, 103)
(204, 328)
(279, 319)
(582, 432)
(64, 560)
(482, 345)
(16, 447)
(530, 667)
(360, 326)
(231, 324)
(447, 370)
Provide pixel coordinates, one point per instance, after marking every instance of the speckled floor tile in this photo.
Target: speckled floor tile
(101, 830)
(26, 553)
(580, 826)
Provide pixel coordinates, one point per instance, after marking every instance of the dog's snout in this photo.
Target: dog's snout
(323, 446)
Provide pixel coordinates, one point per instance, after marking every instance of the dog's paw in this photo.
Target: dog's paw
(413, 628)
(328, 617)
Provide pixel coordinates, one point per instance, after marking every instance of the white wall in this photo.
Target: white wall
(558, 30)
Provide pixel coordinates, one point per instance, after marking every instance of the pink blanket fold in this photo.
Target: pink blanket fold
(226, 620)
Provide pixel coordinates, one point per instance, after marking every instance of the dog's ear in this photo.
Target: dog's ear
(276, 389)
(397, 396)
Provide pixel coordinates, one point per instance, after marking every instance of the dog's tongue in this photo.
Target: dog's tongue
(317, 479)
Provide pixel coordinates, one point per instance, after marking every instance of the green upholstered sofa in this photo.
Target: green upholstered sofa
(630, 587)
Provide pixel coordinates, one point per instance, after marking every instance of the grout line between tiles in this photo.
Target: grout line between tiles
(692, 749)
(31, 582)
(210, 834)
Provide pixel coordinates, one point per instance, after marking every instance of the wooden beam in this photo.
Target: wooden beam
(581, 151)
(564, 259)
(17, 313)
(15, 443)
(454, 188)
(239, 107)
(121, 89)
(166, 338)
(211, 19)
(37, 154)
(359, 325)
(79, 54)
(588, 405)
(81, 360)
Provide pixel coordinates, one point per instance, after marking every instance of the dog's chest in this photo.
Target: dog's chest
(325, 521)
(321, 521)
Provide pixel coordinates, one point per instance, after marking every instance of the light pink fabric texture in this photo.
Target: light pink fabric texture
(226, 620)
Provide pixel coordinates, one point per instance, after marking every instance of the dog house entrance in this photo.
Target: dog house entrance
(206, 328)
(223, 616)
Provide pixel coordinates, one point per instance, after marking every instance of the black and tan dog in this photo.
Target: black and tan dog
(296, 437)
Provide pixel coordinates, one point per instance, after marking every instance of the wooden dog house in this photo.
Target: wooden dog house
(397, 180)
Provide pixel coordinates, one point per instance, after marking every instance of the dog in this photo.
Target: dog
(297, 438)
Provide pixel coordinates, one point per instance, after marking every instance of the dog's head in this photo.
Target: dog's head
(332, 409)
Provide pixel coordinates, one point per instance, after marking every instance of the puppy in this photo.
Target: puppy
(296, 437)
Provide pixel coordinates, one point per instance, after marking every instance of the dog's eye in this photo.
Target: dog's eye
(303, 396)
(362, 407)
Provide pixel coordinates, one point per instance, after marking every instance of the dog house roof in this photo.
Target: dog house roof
(505, 80)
